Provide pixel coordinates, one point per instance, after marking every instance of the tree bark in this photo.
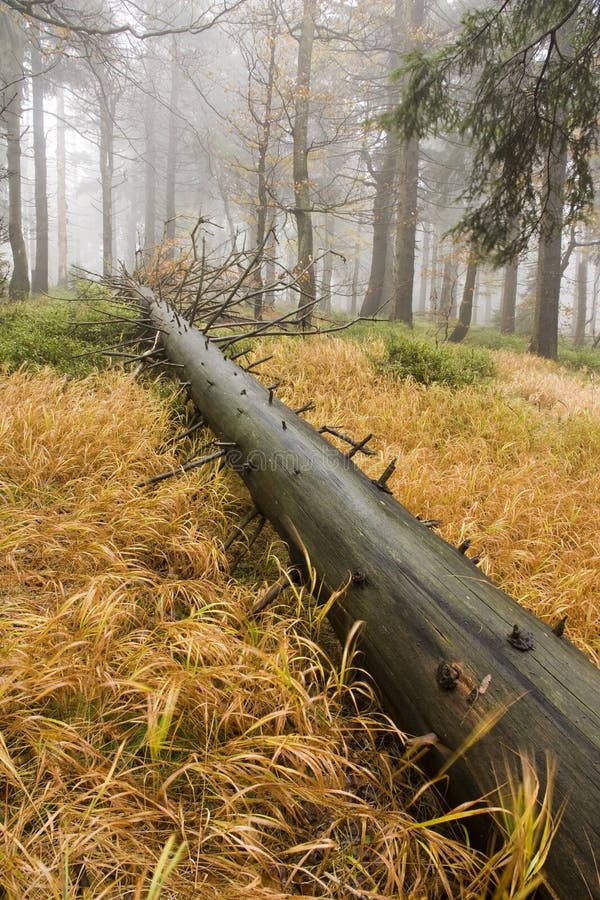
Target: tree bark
(422, 305)
(408, 184)
(264, 140)
(383, 205)
(327, 264)
(39, 280)
(581, 304)
(149, 176)
(355, 276)
(302, 208)
(427, 611)
(508, 304)
(107, 162)
(18, 288)
(61, 188)
(170, 205)
(466, 305)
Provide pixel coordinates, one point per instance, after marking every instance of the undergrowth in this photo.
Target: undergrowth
(55, 332)
(155, 740)
(427, 363)
(511, 465)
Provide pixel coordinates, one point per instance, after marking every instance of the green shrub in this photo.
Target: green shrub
(426, 363)
(50, 332)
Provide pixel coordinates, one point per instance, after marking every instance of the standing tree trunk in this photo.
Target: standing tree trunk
(18, 287)
(408, 183)
(302, 208)
(508, 303)
(327, 264)
(40, 271)
(61, 187)
(149, 176)
(382, 218)
(581, 305)
(11, 77)
(406, 230)
(466, 305)
(544, 340)
(170, 207)
(422, 306)
(355, 276)
(106, 179)
(446, 305)
(264, 139)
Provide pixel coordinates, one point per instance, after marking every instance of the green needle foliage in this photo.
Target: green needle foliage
(520, 81)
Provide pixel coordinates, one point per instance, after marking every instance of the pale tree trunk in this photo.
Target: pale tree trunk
(264, 139)
(581, 305)
(408, 183)
(61, 187)
(40, 271)
(270, 271)
(355, 276)
(447, 299)
(327, 264)
(434, 299)
(508, 302)
(466, 305)
(302, 208)
(19, 283)
(149, 176)
(106, 180)
(421, 308)
(170, 208)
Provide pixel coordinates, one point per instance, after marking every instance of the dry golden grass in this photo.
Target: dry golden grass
(547, 385)
(155, 740)
(520, 481)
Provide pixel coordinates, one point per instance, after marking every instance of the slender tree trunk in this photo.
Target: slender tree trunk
(106, 179)
(406, 230)
(408, 183)
(327, 264)
(581, 306)
(40, 271)
(466, 305)
(170, 207)
(508, 302)
(19, 283)
(434, 300)
(264, 139)
(355, 276)
(302, 208)
(424, 271)
(150, 176)
(61, 187)
(447, 298)
(270, 273)
(382, 218)
(544, 340)
(383, 203)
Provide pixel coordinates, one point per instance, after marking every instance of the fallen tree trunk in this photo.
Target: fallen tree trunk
(447, 648)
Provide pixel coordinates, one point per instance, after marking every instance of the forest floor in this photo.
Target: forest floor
(158, 740)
